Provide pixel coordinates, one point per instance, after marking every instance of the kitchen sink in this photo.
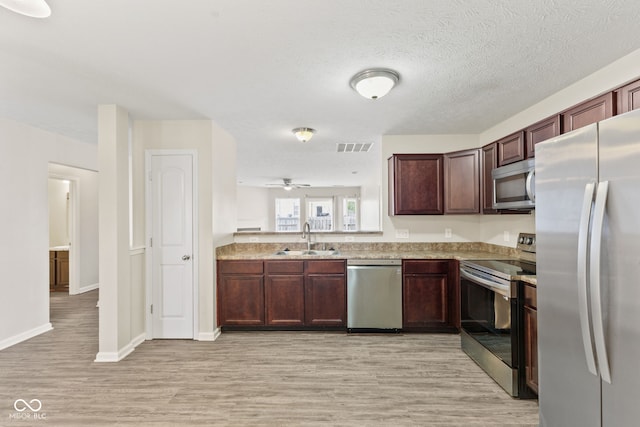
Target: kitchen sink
(309, 252)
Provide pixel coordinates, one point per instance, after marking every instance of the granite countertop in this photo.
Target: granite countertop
(458, 251)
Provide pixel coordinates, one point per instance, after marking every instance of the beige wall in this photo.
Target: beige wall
(25, 153)
(216, 197)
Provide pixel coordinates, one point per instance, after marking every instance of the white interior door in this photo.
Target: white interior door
(172, 246)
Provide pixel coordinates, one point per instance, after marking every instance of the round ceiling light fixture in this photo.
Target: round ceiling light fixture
(32, 8)
(375, 83)
(303, 134)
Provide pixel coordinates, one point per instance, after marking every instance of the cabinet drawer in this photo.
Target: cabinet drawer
(62, 254)
(530, 298)
(289, 266)
(421, 267)
(240, 267)
(326, 266)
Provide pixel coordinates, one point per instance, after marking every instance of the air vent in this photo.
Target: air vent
(354, 148)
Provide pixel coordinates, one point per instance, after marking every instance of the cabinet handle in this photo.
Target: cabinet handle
(186, 257)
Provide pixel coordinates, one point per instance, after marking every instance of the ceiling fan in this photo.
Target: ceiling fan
(288, 185)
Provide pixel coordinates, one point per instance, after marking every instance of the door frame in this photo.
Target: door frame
(148, 234)
(74, 230)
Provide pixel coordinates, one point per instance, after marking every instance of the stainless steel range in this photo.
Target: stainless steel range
(491, 323)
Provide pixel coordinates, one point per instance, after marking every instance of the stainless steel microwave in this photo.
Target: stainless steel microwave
(514, 185)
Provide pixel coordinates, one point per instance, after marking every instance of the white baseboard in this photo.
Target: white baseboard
(23, 336)
(112, 356)
(209, 336)
(87, 288)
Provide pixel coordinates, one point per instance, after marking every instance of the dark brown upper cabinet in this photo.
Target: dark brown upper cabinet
(462, 182)
(489, 161)
(541, 131)
(588, 112)
(416, 184)
(511, 148)
(628, 97)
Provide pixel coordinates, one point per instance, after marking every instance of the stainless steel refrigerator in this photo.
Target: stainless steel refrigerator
(588, 275)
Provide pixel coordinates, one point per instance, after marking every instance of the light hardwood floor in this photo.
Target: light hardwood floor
(250, 379)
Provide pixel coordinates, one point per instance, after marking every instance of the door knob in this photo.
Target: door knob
(186, 257)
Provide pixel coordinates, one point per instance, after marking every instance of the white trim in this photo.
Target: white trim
(112, 356)
(138, 250)
(149, 231)
(23, 336)
(87, 288)
(209, 336)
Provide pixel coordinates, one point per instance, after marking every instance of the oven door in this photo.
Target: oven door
(488, 311)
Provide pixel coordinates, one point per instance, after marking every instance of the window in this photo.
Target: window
(288, 214)
(349, 214)
(320, 214)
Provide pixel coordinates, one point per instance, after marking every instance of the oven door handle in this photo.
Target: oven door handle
(492, 286)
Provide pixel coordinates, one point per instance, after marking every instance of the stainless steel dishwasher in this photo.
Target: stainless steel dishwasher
(374, 295)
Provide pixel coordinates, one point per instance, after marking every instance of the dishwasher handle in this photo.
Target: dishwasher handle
(373, 262)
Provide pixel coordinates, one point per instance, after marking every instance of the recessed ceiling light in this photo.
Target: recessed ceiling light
(32, 8)
(375, 83)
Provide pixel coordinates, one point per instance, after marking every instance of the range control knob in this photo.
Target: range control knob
(521, 240)
(528, 240)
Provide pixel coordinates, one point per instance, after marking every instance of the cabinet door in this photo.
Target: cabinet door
(588, 112)
(530, 337)
(424, 301)
(416, 184)
(489, 163)
(541, 131)
(429, 297)
(511, 148)
(531, 347)
(325, 300)
(628, 97)
(62, 270)
(284, 297)
(240, 300)
(52, 270)
(462, 182)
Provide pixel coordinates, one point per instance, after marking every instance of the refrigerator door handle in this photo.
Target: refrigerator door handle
(583, 309)
(594, 264)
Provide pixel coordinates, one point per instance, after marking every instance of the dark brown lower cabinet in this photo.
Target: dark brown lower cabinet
(284, 293)
(59, 271)
(430, 296)
(531, 337)
(326, 293)
(274, 294)
(240, 293)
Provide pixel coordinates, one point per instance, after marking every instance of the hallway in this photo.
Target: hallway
(275, 378)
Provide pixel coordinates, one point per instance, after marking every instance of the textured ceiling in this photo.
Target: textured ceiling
(260, 68)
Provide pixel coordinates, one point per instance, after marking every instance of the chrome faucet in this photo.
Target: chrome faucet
(306, 234)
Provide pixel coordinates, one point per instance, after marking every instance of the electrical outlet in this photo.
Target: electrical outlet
(348, 238)
(505, 236)
(254, 239)
(447, 233)
(402, 233)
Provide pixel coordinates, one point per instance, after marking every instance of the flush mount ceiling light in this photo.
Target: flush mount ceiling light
(32, 8)
(375, 83)
(303, 134)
